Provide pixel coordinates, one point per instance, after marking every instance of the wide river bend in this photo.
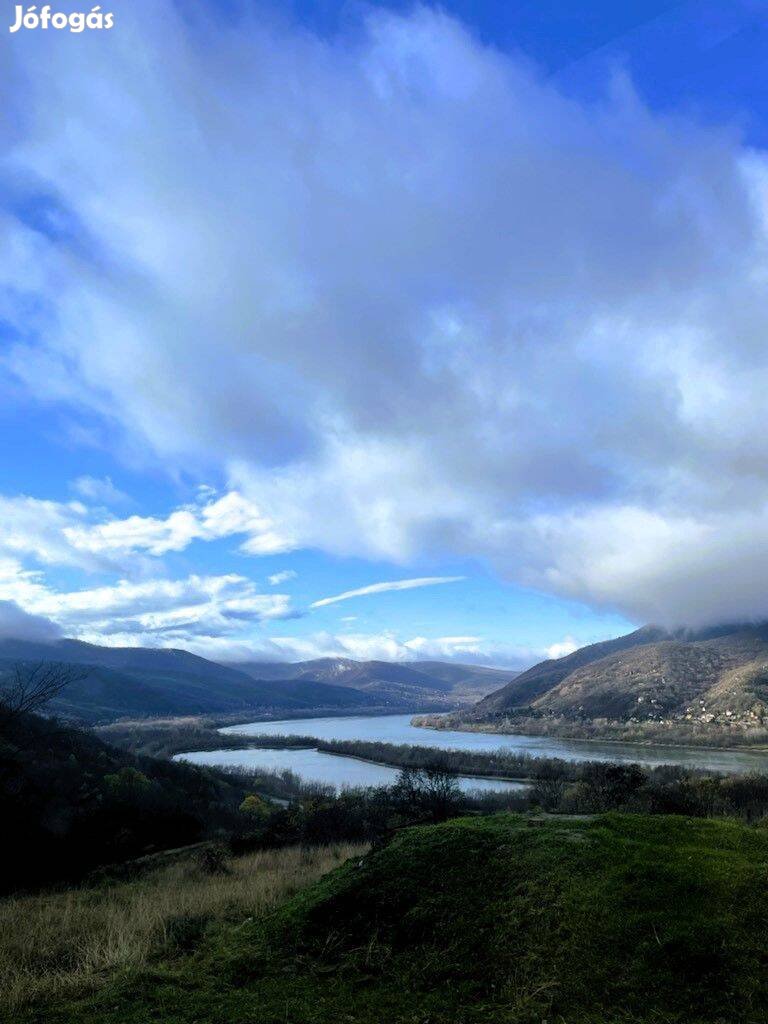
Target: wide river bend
(317, 766)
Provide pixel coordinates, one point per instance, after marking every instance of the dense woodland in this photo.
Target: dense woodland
(71, 802)
(529, 722)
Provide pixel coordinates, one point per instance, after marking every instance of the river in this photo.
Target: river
(317, 766)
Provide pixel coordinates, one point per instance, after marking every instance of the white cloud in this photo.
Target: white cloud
(389, 647)
(383, 588)
(223, 517)
(563, 647)
(282, 577)
(402, 320)
(674, 569)
(232, 592)
(154, 611)
(17, 624)
(99, 490)
(23, 586)
(451, 647)
(71, 534)
(357, 646)
(215, 616)
(31, 527)
(147, 533)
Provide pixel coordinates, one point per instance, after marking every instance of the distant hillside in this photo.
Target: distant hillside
(414, 681)
(696, 680)
(121, 682)
(127, 681)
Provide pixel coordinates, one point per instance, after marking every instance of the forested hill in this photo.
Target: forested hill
(710, 678)
(71, 802)
(117, 682)
(120, 682)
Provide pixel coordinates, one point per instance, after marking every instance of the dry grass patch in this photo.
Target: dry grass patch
(61, 943)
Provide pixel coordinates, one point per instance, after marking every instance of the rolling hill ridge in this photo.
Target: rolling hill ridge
(119, 682)
(479, 920)
(396, 681)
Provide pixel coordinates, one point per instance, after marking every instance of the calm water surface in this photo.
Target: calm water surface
(317, 766)
(398, 729)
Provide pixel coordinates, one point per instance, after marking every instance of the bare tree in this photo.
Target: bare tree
(426, 794)
(31, 687)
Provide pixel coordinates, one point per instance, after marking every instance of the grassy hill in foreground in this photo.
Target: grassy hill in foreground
(696, 682)
(615, 920)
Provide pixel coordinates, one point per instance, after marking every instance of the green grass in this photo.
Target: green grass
(56, 945)
(506, 919)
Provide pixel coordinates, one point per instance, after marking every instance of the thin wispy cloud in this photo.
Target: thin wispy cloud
(99, 490)
(383, 588)
(282, 577)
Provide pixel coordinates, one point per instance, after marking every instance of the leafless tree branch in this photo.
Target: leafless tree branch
(31, 687)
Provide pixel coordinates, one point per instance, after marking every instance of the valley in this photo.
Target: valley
(232, 885)
(124, 682)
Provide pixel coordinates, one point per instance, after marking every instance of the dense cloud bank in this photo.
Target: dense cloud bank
(404, 296)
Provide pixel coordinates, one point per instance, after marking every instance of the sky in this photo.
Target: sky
(384, 330)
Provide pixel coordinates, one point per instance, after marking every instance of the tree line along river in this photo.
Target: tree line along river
(318, 766)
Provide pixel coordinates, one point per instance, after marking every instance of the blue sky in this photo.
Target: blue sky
(349, 295)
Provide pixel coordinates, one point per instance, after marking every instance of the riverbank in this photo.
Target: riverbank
(646, 734)
(193, 738)
(167, 723)
(391, 739)
(396, 761)
(499, 764)
(343, 771)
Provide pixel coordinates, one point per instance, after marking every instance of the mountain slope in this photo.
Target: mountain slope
(710, 676)
(467, 680)
(70, 802)
(140, 681)
(392, 680)
(535, 681)
(117, 682)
